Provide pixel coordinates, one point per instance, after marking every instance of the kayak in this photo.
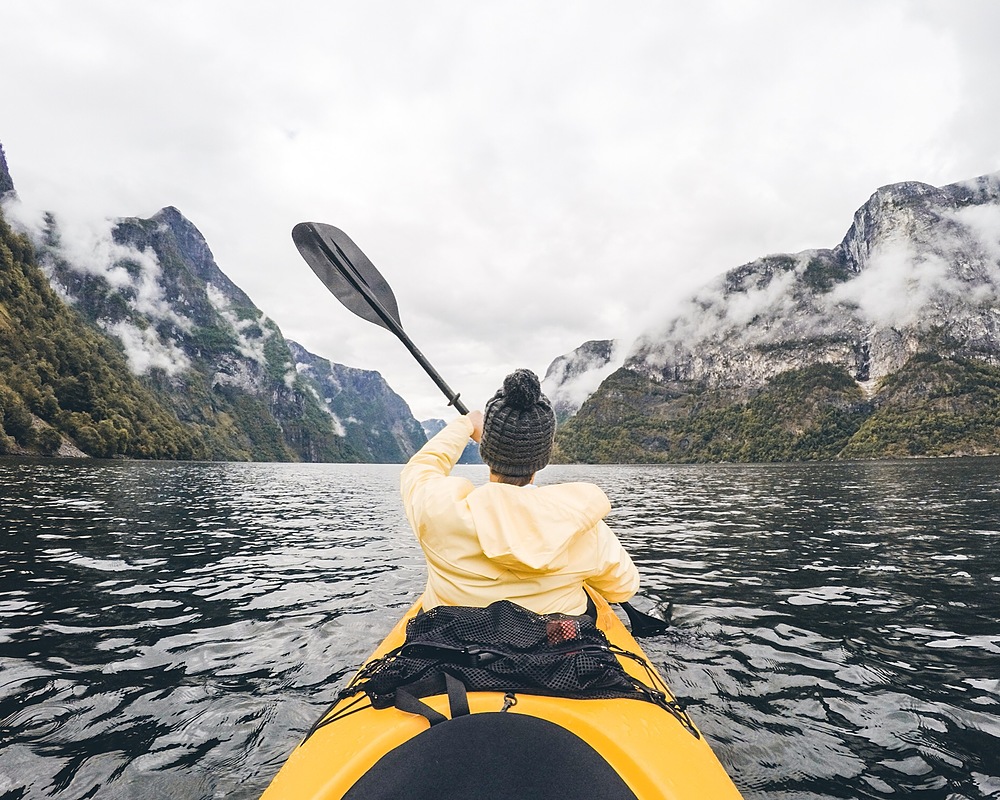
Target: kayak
(507, 744)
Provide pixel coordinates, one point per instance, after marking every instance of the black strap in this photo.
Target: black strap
(458, 697)
(408, 698)
(407, 702)
(462, 656)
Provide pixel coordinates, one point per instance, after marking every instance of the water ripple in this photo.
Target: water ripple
(171, 629)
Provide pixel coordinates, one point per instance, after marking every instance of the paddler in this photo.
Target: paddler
(510, 539)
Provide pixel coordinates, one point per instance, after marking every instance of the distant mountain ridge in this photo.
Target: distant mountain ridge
(132, 342)
(215, 363)
(371, 418)
(886, 345)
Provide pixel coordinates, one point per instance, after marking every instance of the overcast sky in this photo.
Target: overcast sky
(526, 175)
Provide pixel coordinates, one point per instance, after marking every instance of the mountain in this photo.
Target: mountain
(162, 316)
(572, 378)
(65, 388)
(193, 336)
(886, 345)
(370, 417)
(6, 183)
(471, 453)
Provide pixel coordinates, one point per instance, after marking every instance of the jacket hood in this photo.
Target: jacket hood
(531, 529)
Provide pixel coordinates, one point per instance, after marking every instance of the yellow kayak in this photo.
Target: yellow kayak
(499, 744)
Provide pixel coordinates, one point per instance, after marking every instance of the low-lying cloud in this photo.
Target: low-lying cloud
(90, 248)
(922, 273)
(574, 378)
(146, 351)
(248, 344)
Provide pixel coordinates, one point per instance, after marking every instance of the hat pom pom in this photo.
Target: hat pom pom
(521, 389)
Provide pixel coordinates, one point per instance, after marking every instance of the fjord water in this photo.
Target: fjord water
(172, 629)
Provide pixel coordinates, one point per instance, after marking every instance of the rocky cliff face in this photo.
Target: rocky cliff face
(911, 294)
(918, 270)
(199, 342)
(6, 183)
(370, 417)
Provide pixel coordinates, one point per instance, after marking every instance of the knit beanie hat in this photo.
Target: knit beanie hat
(519, 427)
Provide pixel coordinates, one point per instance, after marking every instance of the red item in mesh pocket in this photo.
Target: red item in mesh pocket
(558, 631)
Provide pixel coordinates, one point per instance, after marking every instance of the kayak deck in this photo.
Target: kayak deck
(658, 754)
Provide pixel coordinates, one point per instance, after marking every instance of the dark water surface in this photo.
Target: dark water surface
(172, 630)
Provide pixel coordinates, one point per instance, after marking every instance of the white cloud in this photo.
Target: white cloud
(570, 391)
(908, 284)
(773, 300)
(88, 246)
(21, 216)
(532, 176)
(983, 223)
(249, 346)
(897, 286)
(338, 426)
(145, 350)
(755, 313)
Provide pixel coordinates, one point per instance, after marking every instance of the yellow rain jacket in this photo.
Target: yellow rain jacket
(534, 546)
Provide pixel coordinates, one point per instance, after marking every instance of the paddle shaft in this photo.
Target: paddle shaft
(346, 268)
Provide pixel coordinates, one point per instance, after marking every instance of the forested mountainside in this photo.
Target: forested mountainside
(65, 387)
(887, 345)
(135, 343)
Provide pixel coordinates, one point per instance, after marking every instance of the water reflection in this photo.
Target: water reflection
(845, 616)
(171, 629)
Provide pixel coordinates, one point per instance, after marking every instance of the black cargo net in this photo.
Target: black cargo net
(505, 648)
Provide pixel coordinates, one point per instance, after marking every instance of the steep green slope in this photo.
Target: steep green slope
(197, 341)
(59, 377)
(800, 415)
(933, 406)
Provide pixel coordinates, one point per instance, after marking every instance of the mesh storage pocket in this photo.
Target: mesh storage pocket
(502, 647)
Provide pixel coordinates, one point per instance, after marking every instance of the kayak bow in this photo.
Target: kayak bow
(523, 745)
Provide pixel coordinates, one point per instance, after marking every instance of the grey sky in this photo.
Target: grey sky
(527, 175)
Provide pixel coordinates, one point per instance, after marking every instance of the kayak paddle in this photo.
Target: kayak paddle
(644, 625)
(355, 282)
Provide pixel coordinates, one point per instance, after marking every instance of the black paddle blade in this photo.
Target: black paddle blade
(347, 273)
(644, 625)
